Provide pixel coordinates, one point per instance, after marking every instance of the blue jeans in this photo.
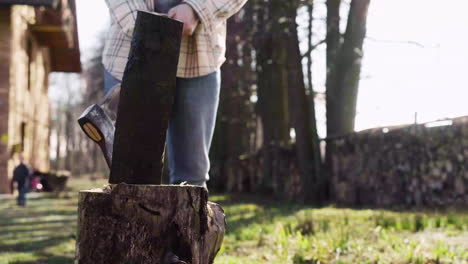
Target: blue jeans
(21, 200)
(109, 81)
(191, 127)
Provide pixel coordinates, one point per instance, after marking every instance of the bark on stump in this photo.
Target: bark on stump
(141, 223)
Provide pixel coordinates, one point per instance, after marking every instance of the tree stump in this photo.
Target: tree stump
(142, 223)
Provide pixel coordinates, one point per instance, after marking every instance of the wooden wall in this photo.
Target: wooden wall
(5, 34)
(28, 103)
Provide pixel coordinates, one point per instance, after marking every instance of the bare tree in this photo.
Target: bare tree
(344, 55)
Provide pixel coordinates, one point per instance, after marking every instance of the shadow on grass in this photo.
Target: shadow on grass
(49, 229)
(45, 223)
(48, 259)
(34, 246)
(36, 212)
(12, 223)
(265, 210)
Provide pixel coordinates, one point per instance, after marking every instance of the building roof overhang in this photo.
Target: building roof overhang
(44, 3)
(55, 27)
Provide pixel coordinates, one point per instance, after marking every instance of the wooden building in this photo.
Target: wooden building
(36, 37)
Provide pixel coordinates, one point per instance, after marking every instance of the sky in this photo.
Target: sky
(403, 78)
(93, 20)
(415, 59)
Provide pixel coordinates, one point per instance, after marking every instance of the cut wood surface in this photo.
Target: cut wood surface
(141, 223)
(146, 99)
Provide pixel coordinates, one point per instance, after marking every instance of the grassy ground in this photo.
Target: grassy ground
(259, 231)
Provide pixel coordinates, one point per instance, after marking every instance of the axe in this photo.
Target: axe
(98, 120)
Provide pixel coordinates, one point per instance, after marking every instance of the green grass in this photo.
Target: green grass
(259, 231)
(43, 231)
(267, 232)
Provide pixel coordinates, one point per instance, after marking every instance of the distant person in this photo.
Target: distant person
(21, 178)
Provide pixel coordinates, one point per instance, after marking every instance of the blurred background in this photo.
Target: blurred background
(353, 103)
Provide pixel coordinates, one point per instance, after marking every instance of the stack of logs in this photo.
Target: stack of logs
(417, 165)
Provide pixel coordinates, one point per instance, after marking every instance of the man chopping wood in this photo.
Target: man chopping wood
(192, 121)
(198, 82)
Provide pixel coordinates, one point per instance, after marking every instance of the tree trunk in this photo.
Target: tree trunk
(272, 87)
(320, 177)
(344, 67)
(308, 155)
(236, 113)
(68, 139)
(348, 68)
(58, 130)
(146, 100)
(230, 104)
(145, 223)
(333, 46)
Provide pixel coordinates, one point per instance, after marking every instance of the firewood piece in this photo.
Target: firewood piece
(146, 99)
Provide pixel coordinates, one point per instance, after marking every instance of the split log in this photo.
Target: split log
(146, 99)
(142, 223)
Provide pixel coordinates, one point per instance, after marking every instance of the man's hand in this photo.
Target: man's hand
(185, 14)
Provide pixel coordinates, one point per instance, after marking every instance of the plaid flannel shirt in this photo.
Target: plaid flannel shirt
(200, 54)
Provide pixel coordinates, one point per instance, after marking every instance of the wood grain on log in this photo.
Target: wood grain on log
(146, 100)
(141, 223)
